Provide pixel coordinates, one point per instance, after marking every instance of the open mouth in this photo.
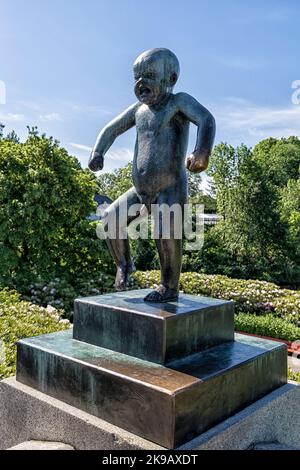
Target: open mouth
(144, 92)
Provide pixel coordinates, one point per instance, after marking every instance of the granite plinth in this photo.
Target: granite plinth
(159, 333)
(27, 414)
(167, 405)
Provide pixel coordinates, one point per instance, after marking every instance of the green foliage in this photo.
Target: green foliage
(267, 325)
(20, 319)
(45, 198)
(117, 183)
(295, 376)
(1, 130)
(258, 297)
(257, 231)
(290, 211)
(145, 254)
(279, 159)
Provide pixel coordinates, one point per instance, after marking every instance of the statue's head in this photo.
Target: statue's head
(155, 73)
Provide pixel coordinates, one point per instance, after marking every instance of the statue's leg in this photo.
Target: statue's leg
(169, 242)
(116, 219)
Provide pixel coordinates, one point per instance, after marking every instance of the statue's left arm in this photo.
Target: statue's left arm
(204, 120)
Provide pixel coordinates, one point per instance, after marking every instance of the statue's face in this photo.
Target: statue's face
(151, 82)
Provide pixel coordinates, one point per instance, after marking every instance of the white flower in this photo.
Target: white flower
(50, 310)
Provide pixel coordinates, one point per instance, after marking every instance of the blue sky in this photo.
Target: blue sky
(67, 65)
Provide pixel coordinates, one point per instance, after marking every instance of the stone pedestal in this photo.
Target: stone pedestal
(29, 415)
(195, 374)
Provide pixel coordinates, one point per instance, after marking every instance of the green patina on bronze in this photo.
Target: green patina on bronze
(155, 332)
(166, 404)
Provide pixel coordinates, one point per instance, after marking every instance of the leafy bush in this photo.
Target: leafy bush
(45, 198)
(295, 376)
(267, 325)
(259, 297)
(20, 319)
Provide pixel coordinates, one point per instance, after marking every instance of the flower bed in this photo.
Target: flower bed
(258, 297)
(61, 293)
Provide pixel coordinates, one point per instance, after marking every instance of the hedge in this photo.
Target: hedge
(20, 319)
(267, 325)
(250, 296)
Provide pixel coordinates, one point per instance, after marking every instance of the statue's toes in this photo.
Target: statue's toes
(153, 297)
(166, 295)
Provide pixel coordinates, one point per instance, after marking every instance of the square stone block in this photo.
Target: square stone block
(156, 332)
(168, 405)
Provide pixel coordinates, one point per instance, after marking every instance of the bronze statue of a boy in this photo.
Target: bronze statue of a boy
(159, 167)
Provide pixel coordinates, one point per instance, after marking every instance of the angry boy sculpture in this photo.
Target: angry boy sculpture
(159, 166)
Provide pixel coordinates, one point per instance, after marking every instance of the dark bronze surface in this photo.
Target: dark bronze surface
(167, 405)
(158, 332)
(162, 121)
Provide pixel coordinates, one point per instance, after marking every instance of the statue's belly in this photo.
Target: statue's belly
(157, 162)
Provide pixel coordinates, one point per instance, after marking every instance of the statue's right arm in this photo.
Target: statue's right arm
(109, 133)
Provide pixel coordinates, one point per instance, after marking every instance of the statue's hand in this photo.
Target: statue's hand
(197, 162)
(96, 161)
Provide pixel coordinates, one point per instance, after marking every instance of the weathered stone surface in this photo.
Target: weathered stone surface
(41, 445)
(168, 405)
(27, 414)
(155, 332)
(272, 446)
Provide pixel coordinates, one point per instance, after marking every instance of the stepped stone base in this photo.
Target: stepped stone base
(168, 405)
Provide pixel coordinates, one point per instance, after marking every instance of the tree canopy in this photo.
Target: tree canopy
(45, 198)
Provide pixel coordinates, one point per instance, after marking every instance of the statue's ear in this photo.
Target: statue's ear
(173, 78)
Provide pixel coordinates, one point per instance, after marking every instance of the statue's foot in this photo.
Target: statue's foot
(123, 276)
(162, 294)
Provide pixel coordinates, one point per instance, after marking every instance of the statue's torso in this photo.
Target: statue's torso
(161, 145)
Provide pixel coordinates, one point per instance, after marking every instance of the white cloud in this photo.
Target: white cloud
(245, 119)
(121, 154)
(50, 117)
(88, 110)
(31, 105)
(12, 117)
(81, 147)
(114, 158)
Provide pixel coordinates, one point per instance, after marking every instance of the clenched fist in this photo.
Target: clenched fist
(197, 162)
(96, 161)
